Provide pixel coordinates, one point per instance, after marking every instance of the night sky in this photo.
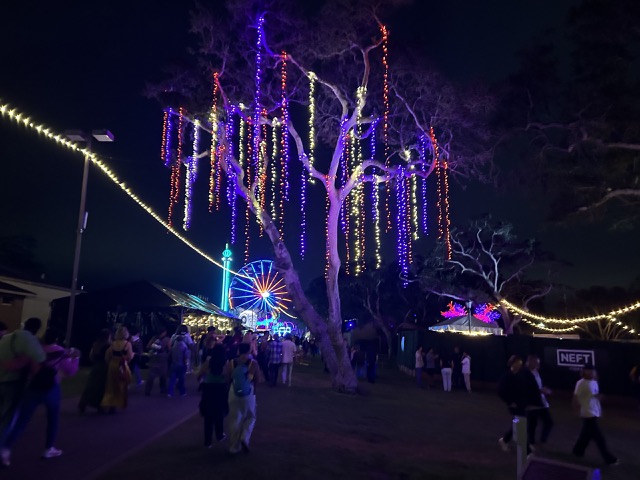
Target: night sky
(85, 66)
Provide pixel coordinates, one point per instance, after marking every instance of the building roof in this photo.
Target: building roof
(13, 290)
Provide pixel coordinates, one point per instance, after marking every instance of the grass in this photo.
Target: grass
(391, 431)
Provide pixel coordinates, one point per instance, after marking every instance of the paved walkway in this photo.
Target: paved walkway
(92, 443)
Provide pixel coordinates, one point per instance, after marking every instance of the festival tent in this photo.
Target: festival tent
(468, 325)
(143, 304)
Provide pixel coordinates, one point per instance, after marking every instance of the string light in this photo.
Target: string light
(542, 326)
(167, 139)
(415, 222)
(285, 134)
(231, 177)
(423, 167)
(274, 168)
(257, 107)
(213, 119)
(401, 224)
(407, 219)
(20, 119)
(311, 159)
(572, 321)
(262, 177)
(375, 198)
(447, 219)
(163, 147)
(191, 175)
(385, 125)
(347, 205)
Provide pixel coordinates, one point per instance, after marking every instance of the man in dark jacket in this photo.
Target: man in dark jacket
(519, 391)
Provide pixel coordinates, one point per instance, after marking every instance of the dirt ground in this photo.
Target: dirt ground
(391, 431)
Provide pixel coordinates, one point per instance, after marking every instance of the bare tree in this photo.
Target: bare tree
(488, 262)
(342, 55)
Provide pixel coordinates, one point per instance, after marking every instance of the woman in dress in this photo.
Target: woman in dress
(214, 403)
(97, 379)
(118, 374)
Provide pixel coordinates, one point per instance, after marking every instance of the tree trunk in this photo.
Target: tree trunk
(379, 323)
(328, 332)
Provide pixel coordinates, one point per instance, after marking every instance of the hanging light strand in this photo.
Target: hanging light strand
(23, 120)
(231, 178)
(213, 120)
(191, 175)
(447, 219)
(274, 168)
(423, 182)
(163, 147)
(257, 107)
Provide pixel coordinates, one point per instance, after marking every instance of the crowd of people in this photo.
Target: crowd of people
(454, 368)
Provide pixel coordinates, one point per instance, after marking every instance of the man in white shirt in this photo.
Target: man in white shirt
(541, 414)
(288, 352)
(587, 396)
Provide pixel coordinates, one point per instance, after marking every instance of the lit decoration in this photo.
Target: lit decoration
(407, 219)
(415, 223)
(261, 289)
(455, 310)
(226, 279)
(191, 175)
(442, 174)
(402, 234)
(447, 219)
(231, 176)
(284, 142)
(214, 172)
(247, 223)
(241, 142)
(423, 180)
(174, 193)
(274, 168)
(257, 107)
(311, 159)
(26, 121)
(346, 207)
(385, 123)
(262, 170)
(459, 320)
(327, 204)
(163, 147)
(486, 312)
(375, 199)
(167, 137)
(542, 326)
(571, 321)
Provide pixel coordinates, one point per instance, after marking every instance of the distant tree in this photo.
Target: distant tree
(488, 264)
(583, 123)
(337, 52)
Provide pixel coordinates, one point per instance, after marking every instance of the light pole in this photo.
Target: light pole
(78, 136)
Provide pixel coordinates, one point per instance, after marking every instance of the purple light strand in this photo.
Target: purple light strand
(191, 175)
(374, 186)
(423, 167)
(402, 224)
(343, 176)
(285, 134)
(231, 181)
(167, 156)
(257, 108)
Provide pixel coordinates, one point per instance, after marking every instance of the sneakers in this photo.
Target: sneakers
(5, 457)
(503, 445)
(51, 453)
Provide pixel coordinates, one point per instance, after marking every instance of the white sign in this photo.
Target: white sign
(575, 358)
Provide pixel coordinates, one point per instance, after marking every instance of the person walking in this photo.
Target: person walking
(20, 355)
(288, 353)
(44, 389)
(97, 379)
(214, 401)
(465, 367)
(274, 356)
(430, 363)
(138, 351)
(541, 414)
(159, 348)
(118, 356)
(419, 366)
(241, 373)
(446, 370)
(586, 396)
(180, 357)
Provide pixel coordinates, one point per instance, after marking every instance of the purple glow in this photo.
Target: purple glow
(344, 213)
(231, 178)
(285, 133)
(191, 175)
(374, 185)
(303, 202)
(402, 234)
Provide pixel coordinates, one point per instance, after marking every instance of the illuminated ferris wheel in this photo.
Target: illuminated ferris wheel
(259, 288)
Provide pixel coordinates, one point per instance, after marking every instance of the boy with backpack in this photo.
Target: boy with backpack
(242, 374)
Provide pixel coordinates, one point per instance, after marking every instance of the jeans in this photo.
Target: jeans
(287, 368)
(467, 381)
(242, 419)
(591, 431)
(177, 373)
(11, 395)
(446, 379)
(543, 415)
(51, 401)
(273, 373)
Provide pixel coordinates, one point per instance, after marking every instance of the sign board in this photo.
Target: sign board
(574, 358)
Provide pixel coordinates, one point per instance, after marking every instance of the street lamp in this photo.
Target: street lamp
(79, 136)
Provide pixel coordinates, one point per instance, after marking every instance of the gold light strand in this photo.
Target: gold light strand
(415, 222)
(312, 118)
(376, 224)
(447, 219)
(568, 321)
(247, 214)
(385, 124)
(26, 121)
(274, 168)
(262, 170)
(241, 142)
(436, 160)
(163, 147)
(407, 220)
(542, 326)
(347, 205)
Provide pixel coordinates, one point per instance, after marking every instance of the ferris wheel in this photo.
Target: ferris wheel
(259, 288)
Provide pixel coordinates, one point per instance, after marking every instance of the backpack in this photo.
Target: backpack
(240, 379)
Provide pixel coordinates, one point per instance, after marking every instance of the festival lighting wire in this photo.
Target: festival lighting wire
(274, 168)
(22, 119)
(257, 107)
(572, 321)
(375, 199)
(163, 147)
(311, 159)
(385, 124)
(214, 172)
(166, 141)
(231, 186)
(423, 167)
(191, 175)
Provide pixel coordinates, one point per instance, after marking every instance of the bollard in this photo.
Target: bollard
(520, 437)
